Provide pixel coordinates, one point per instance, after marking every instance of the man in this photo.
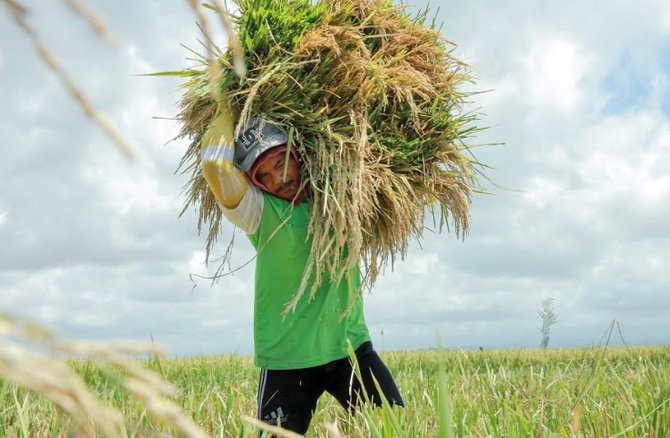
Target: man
(257, 184)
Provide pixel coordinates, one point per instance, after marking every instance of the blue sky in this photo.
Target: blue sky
(92, 245)
(627, 86)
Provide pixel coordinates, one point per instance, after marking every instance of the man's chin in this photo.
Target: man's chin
(286, 196)
(289, 196)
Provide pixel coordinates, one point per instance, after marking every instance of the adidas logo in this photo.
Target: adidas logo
(276, 417)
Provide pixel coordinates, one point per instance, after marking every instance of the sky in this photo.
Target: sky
(577, 100)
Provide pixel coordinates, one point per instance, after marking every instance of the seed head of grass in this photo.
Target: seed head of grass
(374, 102)
(33, 358)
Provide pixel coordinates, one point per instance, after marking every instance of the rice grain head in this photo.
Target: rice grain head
(374, 101)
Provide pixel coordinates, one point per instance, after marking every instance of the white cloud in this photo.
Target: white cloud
(129, 189)
(423, 263)
(196, 264)
(554, 69)
(665, 16)
(542, 191)
(137, 62)
(92, 244)
(20, 292)
(626, 158)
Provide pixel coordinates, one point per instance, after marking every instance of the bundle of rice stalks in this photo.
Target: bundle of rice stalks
(371, 99)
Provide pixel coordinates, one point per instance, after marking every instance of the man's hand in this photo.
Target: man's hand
(220, 130)
(217, 150)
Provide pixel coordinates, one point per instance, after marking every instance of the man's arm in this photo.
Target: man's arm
(240, 202)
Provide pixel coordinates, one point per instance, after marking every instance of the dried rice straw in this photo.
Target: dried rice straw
(373, 99)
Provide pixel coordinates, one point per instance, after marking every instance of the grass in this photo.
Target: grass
(538, 393)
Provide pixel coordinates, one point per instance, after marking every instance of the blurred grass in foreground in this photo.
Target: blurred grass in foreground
(539, 393)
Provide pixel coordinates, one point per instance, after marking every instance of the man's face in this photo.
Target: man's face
(270, 173)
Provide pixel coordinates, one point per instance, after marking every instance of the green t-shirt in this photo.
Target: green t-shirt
(313, 334)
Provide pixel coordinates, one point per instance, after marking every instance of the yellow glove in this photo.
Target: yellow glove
(217, 151)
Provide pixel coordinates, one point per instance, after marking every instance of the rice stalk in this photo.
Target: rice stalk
(213, 68)
(233, 41)
(333, 430)
(373, 99)
(19, 14)
(55, 381)
(93, 19)
(265, 427)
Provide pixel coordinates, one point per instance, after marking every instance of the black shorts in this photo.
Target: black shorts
(288, 397)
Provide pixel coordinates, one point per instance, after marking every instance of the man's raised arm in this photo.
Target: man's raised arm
(225, 180)
(241, 203)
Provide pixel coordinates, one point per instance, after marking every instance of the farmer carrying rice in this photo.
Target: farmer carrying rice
(302, 353)
(350, 131)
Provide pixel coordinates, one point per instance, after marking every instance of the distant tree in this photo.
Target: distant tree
(548, 314)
